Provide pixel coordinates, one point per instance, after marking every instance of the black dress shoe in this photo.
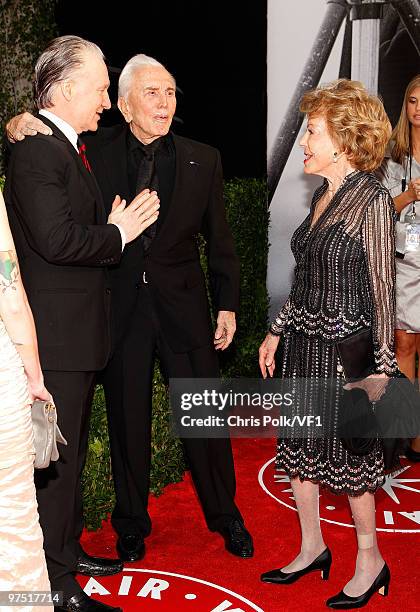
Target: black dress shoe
(412, 455)
(345, 602)
(238, 540)
(321, 563)
(97, 566)
(82, 603)
(131, 547)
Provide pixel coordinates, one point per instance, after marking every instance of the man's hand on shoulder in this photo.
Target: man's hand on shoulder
(225, 330)
(24, 125)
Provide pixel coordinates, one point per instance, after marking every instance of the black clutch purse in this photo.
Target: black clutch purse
(357, 426)
(356, 354)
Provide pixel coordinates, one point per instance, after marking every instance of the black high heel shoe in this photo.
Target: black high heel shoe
(345, 602)
(322, 563)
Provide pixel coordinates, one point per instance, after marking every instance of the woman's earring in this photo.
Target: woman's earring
(335, 158)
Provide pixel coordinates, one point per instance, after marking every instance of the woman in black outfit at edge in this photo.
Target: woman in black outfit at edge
(344, 282)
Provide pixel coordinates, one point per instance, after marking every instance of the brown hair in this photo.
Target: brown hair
(401, 133)
(356, 120)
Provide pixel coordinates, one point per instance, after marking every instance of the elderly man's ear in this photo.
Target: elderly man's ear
(66, 88)
(125, 110)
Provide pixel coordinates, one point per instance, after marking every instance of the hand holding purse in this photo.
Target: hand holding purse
(46, 433)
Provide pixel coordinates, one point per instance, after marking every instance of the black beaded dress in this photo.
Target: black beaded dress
(344, 282)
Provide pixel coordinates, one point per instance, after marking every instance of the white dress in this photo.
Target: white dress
(22, 560)
(407, 269)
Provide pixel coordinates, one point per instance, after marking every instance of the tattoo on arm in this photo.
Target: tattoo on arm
(9, 271)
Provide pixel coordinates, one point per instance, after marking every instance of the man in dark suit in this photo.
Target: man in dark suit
(159, 298)
(65, 243)
(160, 301)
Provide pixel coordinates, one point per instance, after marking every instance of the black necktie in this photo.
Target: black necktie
(82, 153)
(147, 179)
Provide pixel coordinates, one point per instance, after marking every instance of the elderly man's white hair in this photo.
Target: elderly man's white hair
(138, 61)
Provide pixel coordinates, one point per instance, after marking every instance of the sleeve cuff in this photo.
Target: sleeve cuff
(385, 361)
(275, 330)
(123, 236)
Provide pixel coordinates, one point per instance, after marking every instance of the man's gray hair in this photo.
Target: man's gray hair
(61, 58)
(138, 61)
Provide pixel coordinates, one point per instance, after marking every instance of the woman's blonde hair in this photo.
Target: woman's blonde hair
(356, 120)
(401, 134)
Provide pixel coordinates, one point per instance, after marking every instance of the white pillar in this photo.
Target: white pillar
(365, 52)
(366, 18)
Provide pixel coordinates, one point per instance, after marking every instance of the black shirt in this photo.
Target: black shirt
(165, 160)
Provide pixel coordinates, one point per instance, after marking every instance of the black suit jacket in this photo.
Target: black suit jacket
(172, 263)
(64, 246)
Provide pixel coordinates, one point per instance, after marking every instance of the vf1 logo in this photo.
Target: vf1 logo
(159, 591)
(397, 502)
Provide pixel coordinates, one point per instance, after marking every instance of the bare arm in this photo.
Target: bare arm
(390, 175)
(407, 197)
(15, 310)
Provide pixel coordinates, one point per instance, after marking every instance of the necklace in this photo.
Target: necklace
(324, 202)
(345, 177)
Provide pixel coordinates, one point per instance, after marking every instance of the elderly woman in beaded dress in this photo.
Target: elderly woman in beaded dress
(344, 282)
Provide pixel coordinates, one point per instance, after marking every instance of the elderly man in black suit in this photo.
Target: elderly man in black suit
(159, 297)
(65, 243)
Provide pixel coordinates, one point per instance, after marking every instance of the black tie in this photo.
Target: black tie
(147, 179)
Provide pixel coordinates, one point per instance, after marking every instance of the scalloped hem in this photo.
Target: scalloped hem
(330, 488)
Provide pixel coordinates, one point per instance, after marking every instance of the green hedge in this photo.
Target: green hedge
(248, 217)
(26, 26)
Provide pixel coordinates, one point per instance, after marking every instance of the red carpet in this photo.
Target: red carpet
(181, 544)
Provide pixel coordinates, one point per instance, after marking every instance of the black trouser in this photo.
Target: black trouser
(128, 391)
(58, 486)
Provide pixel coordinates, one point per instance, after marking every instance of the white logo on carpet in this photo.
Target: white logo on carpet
(166, 591)
(396, 501)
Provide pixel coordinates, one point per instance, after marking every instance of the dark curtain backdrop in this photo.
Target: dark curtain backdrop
(215, 49)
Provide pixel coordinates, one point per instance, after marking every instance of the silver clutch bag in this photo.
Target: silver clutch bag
(46, 433)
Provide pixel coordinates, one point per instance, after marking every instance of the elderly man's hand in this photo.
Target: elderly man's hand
(266, 354)
(225, 330)
(25, 125)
